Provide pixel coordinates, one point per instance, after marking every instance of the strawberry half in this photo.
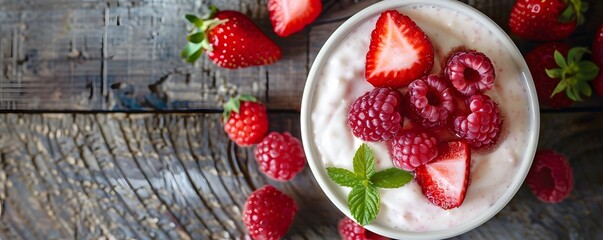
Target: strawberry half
(231, 40)
(399, 52)
(444, 180)
(291, 16)
(546, 20)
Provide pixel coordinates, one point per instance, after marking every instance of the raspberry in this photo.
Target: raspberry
(280, 156)
(246, 122)
(375, 116)
(470, 72)
(268, 213)
(411, 149)
(430, 101)
(349, 230)
(550, 178)
(481, 127)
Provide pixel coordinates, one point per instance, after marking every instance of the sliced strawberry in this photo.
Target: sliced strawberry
(291, 16)
(444, 180)
(399, 51)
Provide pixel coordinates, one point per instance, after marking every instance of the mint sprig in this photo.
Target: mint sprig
(364, 200)
(573, 73)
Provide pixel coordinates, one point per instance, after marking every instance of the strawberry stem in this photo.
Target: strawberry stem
(574, 73)
(234, 104)
(573, 12)
(198, 38)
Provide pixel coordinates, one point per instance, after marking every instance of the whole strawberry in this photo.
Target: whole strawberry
(280, 156)
(598, 59)
(546, 20)
(231, 40)
(268, 213)
(350, 230)
(245, 120)
(560, 76)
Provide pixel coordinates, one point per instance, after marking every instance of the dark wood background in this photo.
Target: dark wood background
(109, 135)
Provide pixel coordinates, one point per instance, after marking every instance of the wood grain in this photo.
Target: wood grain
(72, 55)
(176, 176)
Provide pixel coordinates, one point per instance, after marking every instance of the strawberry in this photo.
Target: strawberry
(598, 59)
(555, 69)
(399, 52)
(245, 120)
(231, 40)
(546, 20)
(444, 180)
(291, 16)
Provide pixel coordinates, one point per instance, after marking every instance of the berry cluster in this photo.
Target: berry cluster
(268, 212)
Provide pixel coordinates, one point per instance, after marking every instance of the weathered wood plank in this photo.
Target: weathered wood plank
(124, 55)
(177, 176)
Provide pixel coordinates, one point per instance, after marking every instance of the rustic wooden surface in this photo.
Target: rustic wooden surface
(176, 176)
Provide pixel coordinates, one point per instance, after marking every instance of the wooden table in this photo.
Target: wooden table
(108, 134)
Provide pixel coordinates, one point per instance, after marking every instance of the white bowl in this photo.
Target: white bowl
(314, 156)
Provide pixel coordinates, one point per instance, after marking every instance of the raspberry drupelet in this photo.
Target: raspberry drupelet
(411, 149)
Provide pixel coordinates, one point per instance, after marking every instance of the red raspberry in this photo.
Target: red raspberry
(245, 120)
(481, 127)
(268, 213)
(375, 116)
(280, 156)
(411, 149)
(470, 72)
(550, 178)
(430, 101)
(349, 230)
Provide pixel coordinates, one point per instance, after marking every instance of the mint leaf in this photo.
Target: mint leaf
(364, 203)
(344, 177)
(364, 162)
(391, 178)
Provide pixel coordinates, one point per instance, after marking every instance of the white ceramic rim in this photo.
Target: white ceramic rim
(313, 155)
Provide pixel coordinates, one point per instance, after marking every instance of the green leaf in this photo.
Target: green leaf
(364, 162)
(190, 49)
(247, 98)
(232, 105)
(559, 88)
(197, 37)
(198, 22)
(343, 177)
(364, 203)
(391, 178)
(554, 73)
(559, 59)
(575, 54)
(583, 88)
(568, 14)
(211, 12)
(194, 57)
(587, 70)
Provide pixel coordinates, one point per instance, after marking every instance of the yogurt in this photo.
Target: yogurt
(342, 81)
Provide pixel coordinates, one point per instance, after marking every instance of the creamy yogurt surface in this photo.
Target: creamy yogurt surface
(342, 80)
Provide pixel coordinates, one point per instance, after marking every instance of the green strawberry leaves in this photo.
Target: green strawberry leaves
(197, 39)
(364, 200)
(575, 10)
(234, 104)
(574, 73)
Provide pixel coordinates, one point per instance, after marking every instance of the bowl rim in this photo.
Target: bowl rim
(312, 153)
